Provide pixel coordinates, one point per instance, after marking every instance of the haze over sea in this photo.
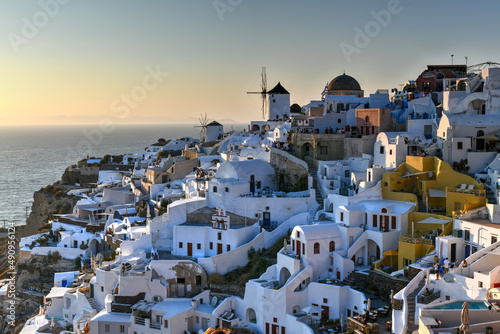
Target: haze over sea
(34, 157)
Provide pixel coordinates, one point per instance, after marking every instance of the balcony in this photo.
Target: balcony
(155, 325)
(421, 240)
(462, 190)
(140, 321)
(429, 297)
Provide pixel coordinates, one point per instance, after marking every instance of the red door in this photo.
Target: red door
(190, 249)
(267, 328)
(386, 224)
(326, 312)
(298, 249)
(275, 329)
(219, 248)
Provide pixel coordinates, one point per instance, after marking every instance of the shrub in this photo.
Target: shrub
(216, 279)
(56, 256)
(78, 263)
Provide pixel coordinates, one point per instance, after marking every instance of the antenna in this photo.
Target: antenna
(263, 92)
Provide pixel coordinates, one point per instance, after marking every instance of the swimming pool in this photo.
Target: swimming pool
(473, 305)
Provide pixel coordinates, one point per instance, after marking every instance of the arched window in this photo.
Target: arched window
(332, 246)
(384, 210)
(316, 248)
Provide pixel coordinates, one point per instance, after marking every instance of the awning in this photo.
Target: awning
(432, 220)
(390, 252)
(437, 193)
(312, 309)
(490, 136)
(57, 292)
(428, 321)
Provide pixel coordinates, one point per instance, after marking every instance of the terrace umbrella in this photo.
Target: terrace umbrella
(391, 253)
(464, 317)
(368, 304)
(428, 279)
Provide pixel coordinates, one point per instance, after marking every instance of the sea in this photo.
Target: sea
(32, 157)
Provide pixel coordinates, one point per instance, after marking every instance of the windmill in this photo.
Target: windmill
(263, 92)
(203, 126)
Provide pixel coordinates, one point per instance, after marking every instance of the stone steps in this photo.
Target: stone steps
(314, 174)
(411, 308)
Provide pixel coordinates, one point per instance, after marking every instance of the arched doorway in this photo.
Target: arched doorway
(251, 316)
(284, 275)
(479, 141)
(93, 246)
(307, 150)
(255, 128)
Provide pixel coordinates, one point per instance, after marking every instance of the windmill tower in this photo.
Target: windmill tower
(263, 93)
(203, 126)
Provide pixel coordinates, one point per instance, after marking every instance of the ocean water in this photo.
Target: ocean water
(34, 157)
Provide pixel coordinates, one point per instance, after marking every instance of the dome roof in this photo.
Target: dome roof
(344, 82)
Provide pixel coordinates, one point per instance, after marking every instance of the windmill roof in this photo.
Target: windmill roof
(278, 89)
(214, 123)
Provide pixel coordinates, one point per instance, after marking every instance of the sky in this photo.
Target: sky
(166, 61)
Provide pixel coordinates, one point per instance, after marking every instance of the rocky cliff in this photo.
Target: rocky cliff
(50, 200)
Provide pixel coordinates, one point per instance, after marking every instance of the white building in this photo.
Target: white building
(206, 239)
(469, 137)
(214, 131)
(336, 177)
(391, 148)
(288, 297)
(278, 103)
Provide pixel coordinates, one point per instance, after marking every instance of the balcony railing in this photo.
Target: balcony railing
(477, 192)
(426, 299)
(156, 325)
(410, 240)
(140, 321)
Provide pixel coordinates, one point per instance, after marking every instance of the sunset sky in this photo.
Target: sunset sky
(85, 60)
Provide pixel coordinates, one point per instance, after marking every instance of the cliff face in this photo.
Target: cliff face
(47, 201)
(83, 175)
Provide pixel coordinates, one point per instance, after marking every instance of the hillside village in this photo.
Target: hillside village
(354, 213)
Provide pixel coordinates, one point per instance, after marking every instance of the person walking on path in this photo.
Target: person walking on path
(436, 269)
(446, 265)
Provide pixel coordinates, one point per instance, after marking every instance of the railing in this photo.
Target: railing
(156, 325)
(477, 192)
(410, 240)
(426, 299)
(140, 321)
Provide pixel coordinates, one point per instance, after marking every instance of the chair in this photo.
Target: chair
(463, 186)
(359, 261)
(372, 259)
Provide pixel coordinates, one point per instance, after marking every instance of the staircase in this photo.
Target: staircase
(93, 304)
(490, 195)
(421, 204)
(313, 171)
(410, 320)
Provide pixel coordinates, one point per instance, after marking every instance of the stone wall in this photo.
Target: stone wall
(384, 282)
(291, 173)
(355, 147)
(330, 146)
(353, 325)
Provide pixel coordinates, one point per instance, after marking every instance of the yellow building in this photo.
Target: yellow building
(439, 193)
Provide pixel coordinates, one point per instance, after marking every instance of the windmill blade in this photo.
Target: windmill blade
(264, 81)
(264, 92)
